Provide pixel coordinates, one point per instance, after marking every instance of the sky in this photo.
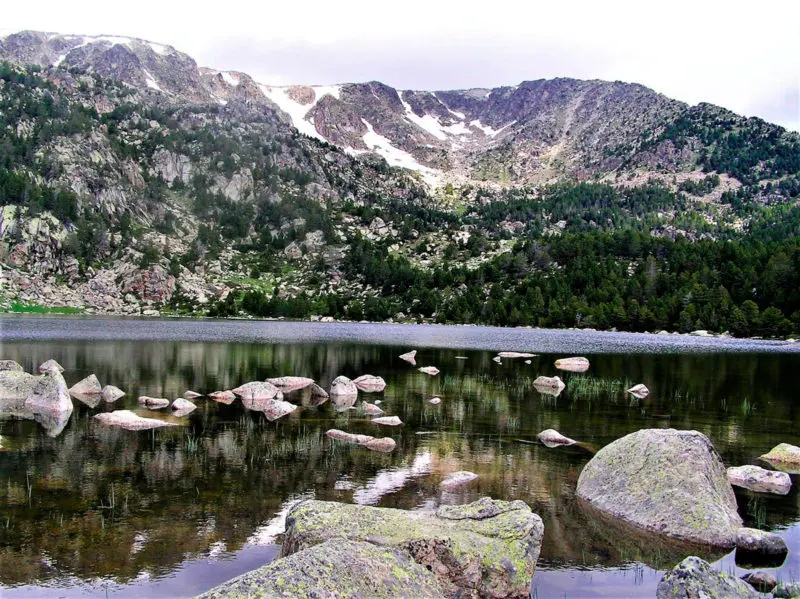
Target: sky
(744, 56)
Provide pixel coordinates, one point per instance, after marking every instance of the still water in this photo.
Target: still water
(92, 511)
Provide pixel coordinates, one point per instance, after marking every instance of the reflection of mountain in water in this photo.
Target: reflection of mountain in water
(103, 502)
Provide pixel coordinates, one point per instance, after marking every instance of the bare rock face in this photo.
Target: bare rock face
(458, 479)
(130, 420)
(153, 403)
(666, 481)
(10, 365)
(110, 393)
(549, 385)
(760, 480)
(694, 578)
(360, 570)
(573, 364)
(257, 390)
(385, 444)
(225, 397)
(343, 386)
(552, 438)
(369, 383)
(287, 384)
(88, 386)
(484, 549)
(45, 366)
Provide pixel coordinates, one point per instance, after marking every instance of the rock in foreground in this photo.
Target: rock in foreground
(182, 407)
(131, 421)
(225, 397)
(484, 549)
(760, 480)
(666, 481)
(42, 398)
(694, 578)
(755, 541)
(360, 570)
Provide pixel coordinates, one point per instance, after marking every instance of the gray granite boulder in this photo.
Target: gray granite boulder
(11, 365)
(343, 387)
(88, 386)
(665, 481)
(31, 393)
(49, 365)
(759, 479)
(336, 569)
(486, 548)
(694, 578)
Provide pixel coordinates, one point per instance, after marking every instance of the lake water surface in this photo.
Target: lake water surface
(90, 511)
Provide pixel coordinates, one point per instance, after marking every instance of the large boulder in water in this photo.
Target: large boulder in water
(760, 480)
(694, 578)
(483, 549)
(343, 387)
(369, 383)
(666, 481)
(49, 365)
(336, 568)
(88, 386)
(257, 390)
(46, 393)
(287, 384)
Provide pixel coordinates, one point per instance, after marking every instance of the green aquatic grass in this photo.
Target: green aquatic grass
(592, 387)
(26, 308)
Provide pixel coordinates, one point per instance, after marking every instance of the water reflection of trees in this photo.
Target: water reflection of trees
(99, 501)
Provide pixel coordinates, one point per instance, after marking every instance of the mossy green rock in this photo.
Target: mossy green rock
(694, 578)
(484, 549)
(784, 453)
(337, 569)
(666, 481)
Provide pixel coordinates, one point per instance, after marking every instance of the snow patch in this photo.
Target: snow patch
(158, 48)
(320, 91)
(151, 81)
(60, 60)
(432, 125)
(296, 111)
(230, 78)
(395, 156)
(489, 131)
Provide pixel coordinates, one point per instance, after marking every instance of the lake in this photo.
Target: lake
(92, 511)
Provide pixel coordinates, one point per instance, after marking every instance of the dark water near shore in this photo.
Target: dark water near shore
(90, 511)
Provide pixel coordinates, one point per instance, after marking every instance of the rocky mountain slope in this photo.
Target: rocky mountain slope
(134, 181)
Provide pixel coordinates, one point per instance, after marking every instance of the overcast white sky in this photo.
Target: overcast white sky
(744, 56)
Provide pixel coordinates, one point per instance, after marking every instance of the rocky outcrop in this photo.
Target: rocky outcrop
(760, 480)
(694, 578)
(130, 420)
(343, 386)
(666, 481)
(369, 383)
(484, 549)
(573, 364)
(549, 385)
(552, 438)
(88, 386)
(361, 569)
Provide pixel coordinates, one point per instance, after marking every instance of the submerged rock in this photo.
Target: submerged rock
(225, 397)
(549, 385)
(333, 569)
(457, 479)
(410, 357)
(431, 370)
(343, 386)
(257, 390)
(49, 365)
(387, 420)
(761, 581)
(640, 391)
(783, 454)
(371, 409)
(385, 444)
(666, 481)
(110, 393)
(694, 578)
(573, 364)
(760, 480)
(130, 421)
(369, 383)
(10, 365)
(287, 384)
(191, 395)
(153, 403)
(484, 549)
(552, 438)
(182, 407)
(88, 386)
(515, 354)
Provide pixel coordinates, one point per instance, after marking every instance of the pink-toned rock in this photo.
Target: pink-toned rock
(272, 408)
(342, 385)
(371, 409)
(369, 383)
(549, 385)
(88, 386)
(410, 357)
(317, 391)
(431, 370)
(385, 444)
(287, 384)
(387, 420)
(515, 354)
(182, 407)
(153, 403)
(435, 400)
(639, 391)
(552, 438)
(573, 364)
(50, 364)
(191, 395)
(257, 390)
(457, 479)
(130, 421)
(225, 397)
(110, 393)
